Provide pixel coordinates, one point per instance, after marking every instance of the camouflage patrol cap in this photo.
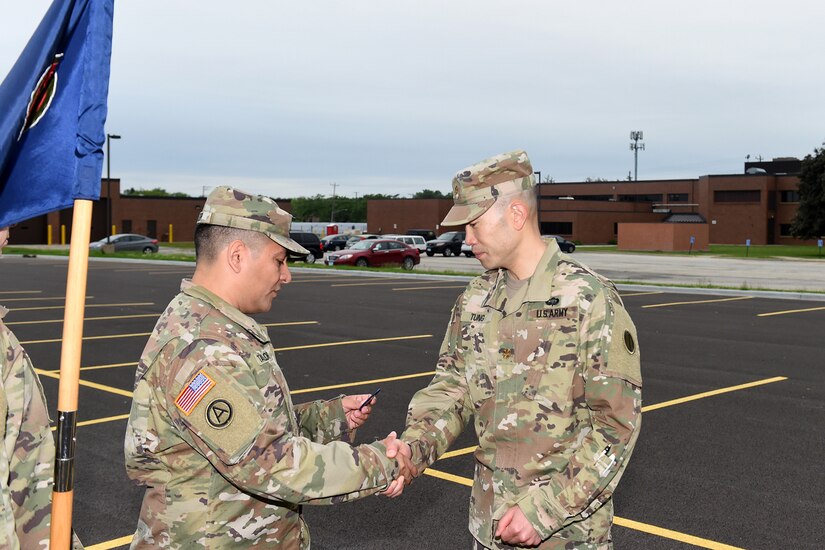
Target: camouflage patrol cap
(476, 188)
(234, 208)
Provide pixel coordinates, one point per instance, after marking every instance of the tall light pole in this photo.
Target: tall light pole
(109, 137)
(636, 135)
(332, 209)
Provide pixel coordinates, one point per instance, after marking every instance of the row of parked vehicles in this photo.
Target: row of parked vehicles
(376, 250)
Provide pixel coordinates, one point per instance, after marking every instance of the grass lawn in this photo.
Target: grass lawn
(730, 251)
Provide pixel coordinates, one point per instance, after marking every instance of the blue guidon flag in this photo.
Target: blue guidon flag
(53, 111)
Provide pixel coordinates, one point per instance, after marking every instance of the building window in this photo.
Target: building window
(789, 196)
(126, 226)
(640, 198)
(785, 230)
(152, 229)
(556, 228)
(677, 197)
(615, 228)
(748, 195)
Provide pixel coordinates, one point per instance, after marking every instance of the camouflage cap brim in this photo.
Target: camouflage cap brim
(461, 214)
(287, 243)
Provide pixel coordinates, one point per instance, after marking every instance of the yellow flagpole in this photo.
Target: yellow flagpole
(61, 528)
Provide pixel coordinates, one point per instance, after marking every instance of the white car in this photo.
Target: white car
(415, 241)
(467, 250)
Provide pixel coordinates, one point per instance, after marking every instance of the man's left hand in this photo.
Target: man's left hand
(356, 417)
(514, 529)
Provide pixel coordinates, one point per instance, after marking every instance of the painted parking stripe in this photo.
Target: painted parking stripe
(105, 318)
(21, 292)
(134, 334)
(87, 306)
(700, 302)
(350, 342)
(385, 281)
(88, 384)
(430, 287)
(363, 382)
(628, 523)
(40, 299)
(649, 293)
(789, 311)
(109, 544)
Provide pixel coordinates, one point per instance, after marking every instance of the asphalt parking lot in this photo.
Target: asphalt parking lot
(728, 456)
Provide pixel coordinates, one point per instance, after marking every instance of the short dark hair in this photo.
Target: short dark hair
(211, 239)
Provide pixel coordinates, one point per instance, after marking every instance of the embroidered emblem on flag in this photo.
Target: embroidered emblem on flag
(194, 392)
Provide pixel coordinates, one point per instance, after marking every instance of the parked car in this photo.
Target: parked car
(467, 250)
(355, 238)
(127, 241)
(564, 244)
(334, 242)
(416, 241)
(448, 244)
(428, 234)
(376, 252)
(308, 240)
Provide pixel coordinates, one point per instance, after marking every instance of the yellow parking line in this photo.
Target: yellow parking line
(51, 298)
(21, 292)
(430, 287)
(363, 382)
(630, 524)
(349, 342)
(712, 393)
(87, 306)
(109, 544)
(394, 281)
(641, 293)
(112, 336)
(88, 384)
(106, 318)
(99, 421)
(790, 311)
(700, 302)
(672, 535)
(86, 338)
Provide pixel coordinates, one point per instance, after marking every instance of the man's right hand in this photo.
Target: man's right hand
(402, 453)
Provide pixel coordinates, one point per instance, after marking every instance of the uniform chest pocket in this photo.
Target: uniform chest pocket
(549, 357)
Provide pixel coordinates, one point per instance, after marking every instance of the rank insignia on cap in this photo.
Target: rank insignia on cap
(192, 394)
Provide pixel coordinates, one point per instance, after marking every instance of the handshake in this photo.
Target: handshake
(357, 409)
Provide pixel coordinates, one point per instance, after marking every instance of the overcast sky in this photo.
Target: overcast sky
(287, 98)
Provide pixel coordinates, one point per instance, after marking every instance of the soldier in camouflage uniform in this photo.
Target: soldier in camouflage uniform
(226, 458)
(542, 354)
(26, 446)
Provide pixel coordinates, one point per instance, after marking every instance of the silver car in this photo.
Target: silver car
(127, 241)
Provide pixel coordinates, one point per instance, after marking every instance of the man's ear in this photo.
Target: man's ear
(235, 255)
(519, 213)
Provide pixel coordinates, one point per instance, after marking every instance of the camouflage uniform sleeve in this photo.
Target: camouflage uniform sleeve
(438, 413)
(28, 446)
(324, 421)
(609, 356)
(262, 452)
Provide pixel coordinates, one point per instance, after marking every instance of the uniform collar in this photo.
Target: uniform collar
(227, 309)
(538, 289)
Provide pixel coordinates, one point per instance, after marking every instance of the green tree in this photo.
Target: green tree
(430, 194)
(155, 192)
(809, 221)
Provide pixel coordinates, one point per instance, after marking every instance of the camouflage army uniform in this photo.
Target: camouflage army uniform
(27, 450)
(226, 458)
(552, 378)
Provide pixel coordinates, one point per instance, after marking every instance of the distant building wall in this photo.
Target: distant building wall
(663, 236)
(401, 215)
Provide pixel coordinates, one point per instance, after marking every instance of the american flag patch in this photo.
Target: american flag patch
(194, 392)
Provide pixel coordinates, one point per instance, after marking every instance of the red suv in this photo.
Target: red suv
(376, 252)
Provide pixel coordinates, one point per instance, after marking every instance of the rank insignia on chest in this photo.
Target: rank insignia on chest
(192, 394)
(262, 356)
(506, 353)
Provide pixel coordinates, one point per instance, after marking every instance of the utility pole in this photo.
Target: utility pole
(332, 210)
(636, 135)
(109, 138)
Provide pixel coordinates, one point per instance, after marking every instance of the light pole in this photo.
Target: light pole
(636, 135)
(332, 209)
(109, 137)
